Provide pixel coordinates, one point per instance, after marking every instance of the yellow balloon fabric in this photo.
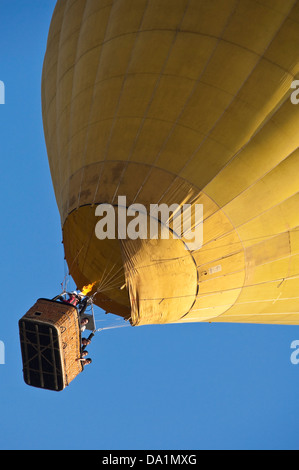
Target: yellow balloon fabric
(179, 102)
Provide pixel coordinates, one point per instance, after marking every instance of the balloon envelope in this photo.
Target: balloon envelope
(179, 102)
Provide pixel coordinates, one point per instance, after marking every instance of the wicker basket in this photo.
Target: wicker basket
(51, 345)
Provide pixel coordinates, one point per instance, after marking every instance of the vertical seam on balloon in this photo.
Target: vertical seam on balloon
(84, 19)
(56, 129)
(92, 105)
(119, 99)
(151, 99)
(56, 106)
(70, 121)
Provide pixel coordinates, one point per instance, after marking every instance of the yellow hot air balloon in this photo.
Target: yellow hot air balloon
(179, 102)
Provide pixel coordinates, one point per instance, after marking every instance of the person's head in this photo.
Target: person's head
(84, 354)
(87, 361)
(86, 341)
(84, 321)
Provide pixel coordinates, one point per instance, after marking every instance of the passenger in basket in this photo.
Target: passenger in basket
(83, 324)
(83, 355)
(87, 361)
(86, 342)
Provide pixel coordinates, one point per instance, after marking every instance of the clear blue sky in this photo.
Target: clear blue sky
(195, 386)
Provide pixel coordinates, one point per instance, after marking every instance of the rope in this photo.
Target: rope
(111, 328)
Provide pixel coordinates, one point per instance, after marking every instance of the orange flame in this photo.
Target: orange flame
(87, 289)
